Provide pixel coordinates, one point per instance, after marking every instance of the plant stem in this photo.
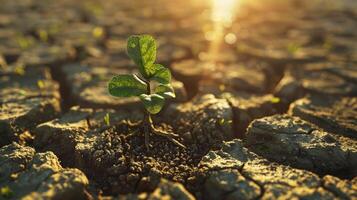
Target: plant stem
(149, 126)
(147, 119)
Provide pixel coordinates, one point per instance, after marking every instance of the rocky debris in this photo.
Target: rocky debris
(252, 177)
(29, 97)
(334, 114)
(62, 134)
(88, 87)
(295, 142)
(205, 120)
(30, 175)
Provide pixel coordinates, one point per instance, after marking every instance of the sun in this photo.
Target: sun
(223, 11)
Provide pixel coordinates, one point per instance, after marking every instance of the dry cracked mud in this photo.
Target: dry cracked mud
(234, 172)
(266, 100)
(336, 115)
(295, 142)
(29, 97)
(31, 175)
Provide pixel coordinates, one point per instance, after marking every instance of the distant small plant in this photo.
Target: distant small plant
(106, 119)
(293, 48)
(152, 85)
(6, 192)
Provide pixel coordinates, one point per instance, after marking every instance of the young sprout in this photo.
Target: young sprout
(142, 50)
(43, 35)
(5, 192)
(107, 119)
(20, 70)
(40, 84)
(275, 100)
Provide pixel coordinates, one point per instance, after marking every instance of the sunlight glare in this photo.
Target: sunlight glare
(223, 11)
(222, 16)
(230, 38)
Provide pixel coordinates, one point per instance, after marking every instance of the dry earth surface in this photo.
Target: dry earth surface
(266, 103)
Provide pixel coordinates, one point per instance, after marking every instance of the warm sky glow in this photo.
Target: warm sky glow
(223, 11)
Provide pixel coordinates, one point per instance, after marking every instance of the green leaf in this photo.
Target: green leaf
(153, 103)
(126, 86)
(166, 91)
(142, 50)
(162, 74)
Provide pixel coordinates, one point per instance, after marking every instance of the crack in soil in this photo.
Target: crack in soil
(262, 189)
(64, 89)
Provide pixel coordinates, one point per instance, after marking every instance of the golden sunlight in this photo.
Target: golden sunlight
(223, 11)
(222, 16)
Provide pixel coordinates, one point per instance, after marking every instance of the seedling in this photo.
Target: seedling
(152, 85)
(6, 192)
(20, 70)
(43, 35)
(107, 119)
(293, 48)
(40, 84)
(275, 100)
(98, 32)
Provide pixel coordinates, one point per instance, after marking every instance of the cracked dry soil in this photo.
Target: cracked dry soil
(269, 114)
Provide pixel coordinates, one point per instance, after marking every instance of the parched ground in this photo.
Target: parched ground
(266, 100)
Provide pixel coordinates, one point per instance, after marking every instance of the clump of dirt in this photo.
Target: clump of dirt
(120, 163)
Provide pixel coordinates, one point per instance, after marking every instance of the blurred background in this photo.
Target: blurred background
(195, 38)
(70, 49)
